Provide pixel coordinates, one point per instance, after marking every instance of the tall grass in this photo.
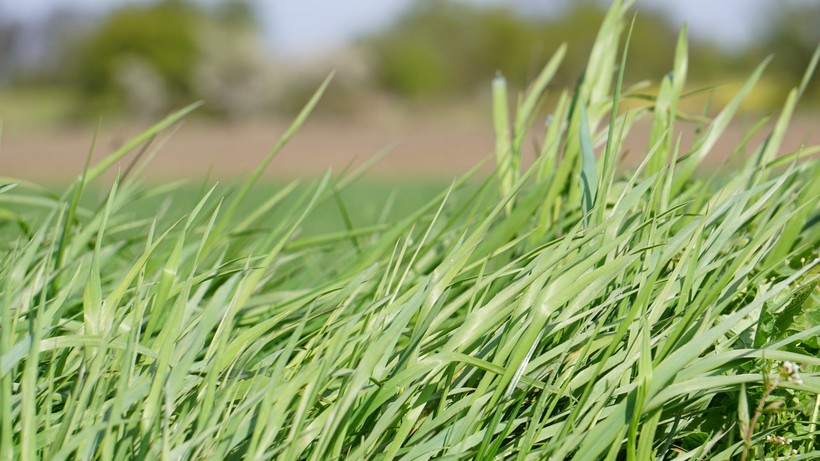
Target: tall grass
(562, 312)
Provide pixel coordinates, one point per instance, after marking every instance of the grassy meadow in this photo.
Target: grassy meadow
(567, 310)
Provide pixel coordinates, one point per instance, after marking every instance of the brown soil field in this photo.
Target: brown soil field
(430, 145)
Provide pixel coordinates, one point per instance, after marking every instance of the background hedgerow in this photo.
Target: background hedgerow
(563, 311)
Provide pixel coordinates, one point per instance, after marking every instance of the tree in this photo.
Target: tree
(157, 39)
(792, 35)
(234, 74)
(445, 47)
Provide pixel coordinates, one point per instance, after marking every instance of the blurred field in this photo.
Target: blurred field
(434, 145)
(418, 86)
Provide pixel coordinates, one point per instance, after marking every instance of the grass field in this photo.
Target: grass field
(567, 310)
(363, 203)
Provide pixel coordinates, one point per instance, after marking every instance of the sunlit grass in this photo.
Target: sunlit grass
(564, 311)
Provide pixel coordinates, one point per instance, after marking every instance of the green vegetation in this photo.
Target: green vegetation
(142, 59)
(793, 32)
(449, 48)
(564, 311)
(160, 37)
(146, 58)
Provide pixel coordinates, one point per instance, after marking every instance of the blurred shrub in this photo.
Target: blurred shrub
(792, 35)
(441, 47)
(351, 91)
(140, 51)
(416, 67)
(147, 58)
(234, 74)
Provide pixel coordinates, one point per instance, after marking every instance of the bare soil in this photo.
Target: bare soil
(427, 145)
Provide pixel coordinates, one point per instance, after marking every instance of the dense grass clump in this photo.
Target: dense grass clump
(565, 311)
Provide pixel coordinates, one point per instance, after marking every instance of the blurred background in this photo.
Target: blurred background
(413, 75)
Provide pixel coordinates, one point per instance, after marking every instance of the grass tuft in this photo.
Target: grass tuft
(566, 311)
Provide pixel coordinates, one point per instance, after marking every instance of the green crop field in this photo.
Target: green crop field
(568, 310)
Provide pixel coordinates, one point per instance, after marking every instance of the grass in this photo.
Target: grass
(365, 203)
(567, 311)
(36, 107)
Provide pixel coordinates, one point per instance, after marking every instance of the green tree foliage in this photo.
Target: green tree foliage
(448, 47)
(792, 36)
(439, 47)
(234, 74)
(161, 36)
(149, 58)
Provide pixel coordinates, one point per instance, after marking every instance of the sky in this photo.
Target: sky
(305, 26)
